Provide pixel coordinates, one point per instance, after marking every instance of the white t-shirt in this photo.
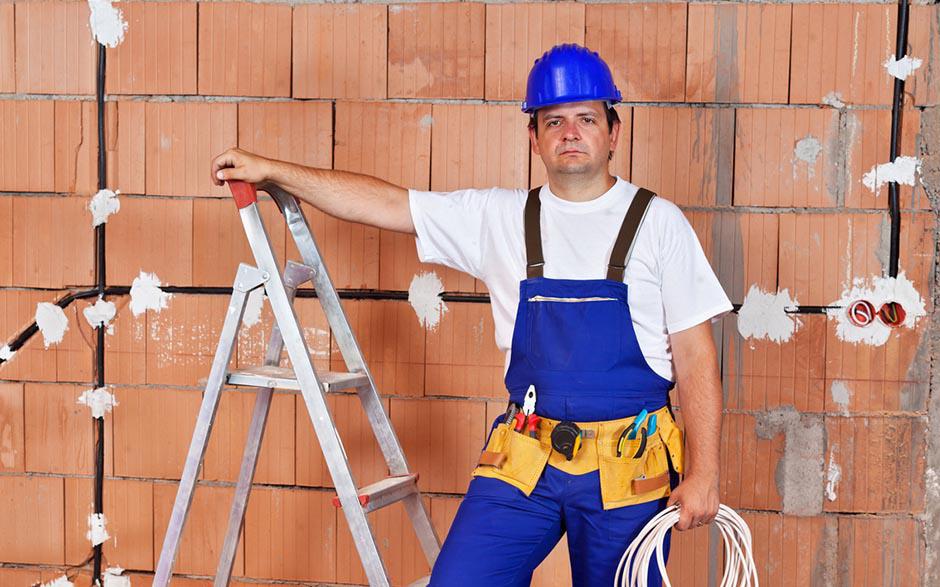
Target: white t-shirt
(671, 286)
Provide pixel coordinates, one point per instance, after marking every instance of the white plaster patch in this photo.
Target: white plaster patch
(841, 394)
(424, 295)
(147, 295)
(318, 341)
(5, 353)
(101, 314)
(102, 205)
(62, 581)
(52, 322)
(426, 121)
(903, 67)
(99, 400)
(808, 149)
(114, 577)
(763, 315)
(96, 529)
(876, 290)
(107, 23)
(833, 99)
(253, 307)
(902, 170)
(833, 475)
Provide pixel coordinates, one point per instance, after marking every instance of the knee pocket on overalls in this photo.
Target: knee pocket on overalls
(633, 478)
(514, 458)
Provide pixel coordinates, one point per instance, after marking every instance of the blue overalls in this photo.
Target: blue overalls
(574, 340)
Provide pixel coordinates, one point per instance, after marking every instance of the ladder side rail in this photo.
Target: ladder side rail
(247, 279)
(314, 397)
(345, 339)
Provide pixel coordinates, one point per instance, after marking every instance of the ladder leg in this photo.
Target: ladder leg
(248, 278)
(294, 276)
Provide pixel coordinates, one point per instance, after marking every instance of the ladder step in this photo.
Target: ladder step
(283, 378)
(385, 492)
(422, 582)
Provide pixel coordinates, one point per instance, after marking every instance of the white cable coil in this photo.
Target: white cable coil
(739, 560)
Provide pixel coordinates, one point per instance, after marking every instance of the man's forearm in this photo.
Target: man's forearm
(700, 401)
(346, 195)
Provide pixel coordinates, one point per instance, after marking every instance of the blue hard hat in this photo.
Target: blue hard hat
(569, 73)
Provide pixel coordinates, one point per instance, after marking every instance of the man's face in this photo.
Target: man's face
(574, 138)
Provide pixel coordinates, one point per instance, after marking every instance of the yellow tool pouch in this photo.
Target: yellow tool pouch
(632, 478)
(514, 458)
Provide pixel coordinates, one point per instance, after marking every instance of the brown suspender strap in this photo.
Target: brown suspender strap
(624, 243)
(535, 261)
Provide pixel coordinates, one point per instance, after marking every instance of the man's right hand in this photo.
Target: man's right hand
(237, 165)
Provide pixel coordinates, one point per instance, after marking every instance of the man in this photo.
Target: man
(602, 299)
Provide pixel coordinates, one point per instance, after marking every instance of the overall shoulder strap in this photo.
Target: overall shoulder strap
(624, 243)
(535, 262)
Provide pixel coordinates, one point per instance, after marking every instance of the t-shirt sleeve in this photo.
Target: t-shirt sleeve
(450, 227)
(691, 291)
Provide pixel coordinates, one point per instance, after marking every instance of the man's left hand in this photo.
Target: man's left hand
(697, 497)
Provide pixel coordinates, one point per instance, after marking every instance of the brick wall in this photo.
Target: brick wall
(426, 95)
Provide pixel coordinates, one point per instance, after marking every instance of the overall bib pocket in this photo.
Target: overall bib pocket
(514, 458)
(574, 334)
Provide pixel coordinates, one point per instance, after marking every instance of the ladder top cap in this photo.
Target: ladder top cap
(243, 193)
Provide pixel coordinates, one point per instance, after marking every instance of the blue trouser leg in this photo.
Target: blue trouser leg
(499, 535)
(597, 538)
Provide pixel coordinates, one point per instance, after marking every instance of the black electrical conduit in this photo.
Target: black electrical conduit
(894, 205)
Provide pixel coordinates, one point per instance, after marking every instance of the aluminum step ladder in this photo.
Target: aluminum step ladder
(356, 503)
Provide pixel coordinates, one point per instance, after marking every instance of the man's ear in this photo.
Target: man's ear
(615, 135)
(534, 141)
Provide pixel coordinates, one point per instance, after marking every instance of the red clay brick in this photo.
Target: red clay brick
(32, 362)
(227, 443)
(401, 553)
(128, 509)
(301, 132)
(924, 26)
(74, 355)
(791, 550)
(76, 147)
(881, 461)
(392, 342)
(158, 54)
(462, 358)
(898, 542)
(783, 157)
(32, 507)
(748, 465)
(52, 258)
(869, 145)
(126, 349)
(436, 50)
(688, 562)
(742, 249)
(392, 142)
(841, 48)
(145, 414)
(645, 46)
(219, 243)
(442, 440)
(182, 339)
(12, 414)
(55, 50)
(181, 140)
(58, 430)
(555, 570)
(291, 534)
(518, 34)
(126, 146)
(340, 51)
(7, 49)
(13, 577)
(6, 241)
(154, 236)
(738, 53)
(362, 450)
(684, 154)
(27, 164)
(244, 49)
(205, 528)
